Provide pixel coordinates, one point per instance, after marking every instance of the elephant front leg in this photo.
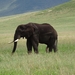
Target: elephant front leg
(47, 49)
(35, 42)
(29, 46)
(35, 46)
(50, 49)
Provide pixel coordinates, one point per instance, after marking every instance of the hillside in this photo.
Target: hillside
(12, 7)
(63, 13)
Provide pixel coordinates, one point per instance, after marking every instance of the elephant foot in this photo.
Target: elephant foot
(29, 52)
(55, 51)
(36, 51)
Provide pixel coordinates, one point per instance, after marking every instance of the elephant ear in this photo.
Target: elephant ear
(27, 30)
(35, 28)
(20, 28)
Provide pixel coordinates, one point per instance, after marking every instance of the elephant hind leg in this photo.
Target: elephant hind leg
(51, 44)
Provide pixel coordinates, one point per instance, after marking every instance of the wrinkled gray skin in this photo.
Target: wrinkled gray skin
(35, 34)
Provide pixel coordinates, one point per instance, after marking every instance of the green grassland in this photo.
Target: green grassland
(62, 18)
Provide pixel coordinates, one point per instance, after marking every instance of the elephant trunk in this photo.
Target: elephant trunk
(16, 38)
(14, 48)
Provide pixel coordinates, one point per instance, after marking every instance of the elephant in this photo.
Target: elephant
(36, 33)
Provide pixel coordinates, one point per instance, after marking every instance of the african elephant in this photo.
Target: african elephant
(36, 33)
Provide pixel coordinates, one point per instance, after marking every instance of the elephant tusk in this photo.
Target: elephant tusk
(13, 41)
(10, 42)
(16, 40)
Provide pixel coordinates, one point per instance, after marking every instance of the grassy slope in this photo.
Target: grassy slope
(62, 18)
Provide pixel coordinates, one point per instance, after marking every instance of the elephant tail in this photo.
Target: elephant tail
(56, 43)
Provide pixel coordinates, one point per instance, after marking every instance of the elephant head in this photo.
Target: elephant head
(21, 32)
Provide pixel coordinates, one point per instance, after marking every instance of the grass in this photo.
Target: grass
(62, 18)
(41, 64)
